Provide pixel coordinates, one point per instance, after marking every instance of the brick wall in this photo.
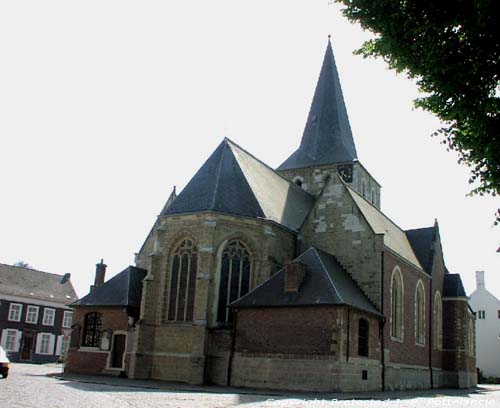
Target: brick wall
(313, 348)
(406, 351)
(94, 360)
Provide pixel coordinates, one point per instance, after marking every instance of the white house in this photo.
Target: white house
(487, 308)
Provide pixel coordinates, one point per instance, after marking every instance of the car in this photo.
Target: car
(4, 363)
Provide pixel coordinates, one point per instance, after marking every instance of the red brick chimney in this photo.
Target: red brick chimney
(294, 275)
(100, 273)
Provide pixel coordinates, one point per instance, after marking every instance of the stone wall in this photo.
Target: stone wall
(313, 178)
(178, 350)
(337, 226)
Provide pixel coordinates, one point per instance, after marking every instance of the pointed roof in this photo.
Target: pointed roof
(453, 286)
(327, 136)
(325, 283)
(422, 241)
(232, 181)
(124, 289)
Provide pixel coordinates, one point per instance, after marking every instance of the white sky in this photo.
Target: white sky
(105, 105)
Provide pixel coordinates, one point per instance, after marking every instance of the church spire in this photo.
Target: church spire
(327, 137)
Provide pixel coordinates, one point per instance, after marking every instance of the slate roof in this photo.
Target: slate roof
(327, 136)
(422, 242)
(124, 289)
(394, 237)
(232, 181)
(30, 283)
(325, 283)
(453, 286)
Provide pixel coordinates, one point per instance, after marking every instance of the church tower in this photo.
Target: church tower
(327, 144)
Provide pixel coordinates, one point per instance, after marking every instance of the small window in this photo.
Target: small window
(373, 196)
(92, 330)
(298, 181)
(499, 314)
(481, 314)
(15, 312)
(32, 314)
(67, 319)
(48, 317)
(363, 337)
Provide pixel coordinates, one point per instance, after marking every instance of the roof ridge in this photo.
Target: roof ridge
(349, 275)
(218, 172)
(328, 275)
(419, 229)
(32, 269)
(266, 165)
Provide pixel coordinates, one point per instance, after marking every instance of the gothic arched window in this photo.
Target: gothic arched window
(363, 337)
(234, 278)
(182, 282)
(420, 313)
(397, 304)
(438, 322)
(92, 330)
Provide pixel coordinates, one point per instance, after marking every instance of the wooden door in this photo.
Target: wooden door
(27, 346)
(118, 350)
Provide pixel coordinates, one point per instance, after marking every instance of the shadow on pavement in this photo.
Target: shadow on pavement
(249, 396)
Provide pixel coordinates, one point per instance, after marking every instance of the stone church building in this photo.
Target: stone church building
(295, 279)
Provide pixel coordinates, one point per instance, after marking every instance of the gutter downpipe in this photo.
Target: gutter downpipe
(382, 331)
(431, 325)
(231, 350)
(348, 332)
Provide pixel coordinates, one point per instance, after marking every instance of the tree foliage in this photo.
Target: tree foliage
(452, 50)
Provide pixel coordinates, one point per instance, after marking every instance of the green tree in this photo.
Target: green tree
(452, 50)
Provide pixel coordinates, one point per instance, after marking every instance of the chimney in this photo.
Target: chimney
(66, 278)
(100, 272)
(480, 279)
(294, 275)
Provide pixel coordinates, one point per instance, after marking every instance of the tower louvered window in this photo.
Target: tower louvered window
(234, 278)
(182, 282)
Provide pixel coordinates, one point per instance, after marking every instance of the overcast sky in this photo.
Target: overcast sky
(106, 105)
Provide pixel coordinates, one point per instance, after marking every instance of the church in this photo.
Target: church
(289, 278)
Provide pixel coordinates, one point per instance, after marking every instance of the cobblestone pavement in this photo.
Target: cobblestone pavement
(29, 386)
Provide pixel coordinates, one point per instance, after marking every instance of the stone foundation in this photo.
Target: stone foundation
(304, 373)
